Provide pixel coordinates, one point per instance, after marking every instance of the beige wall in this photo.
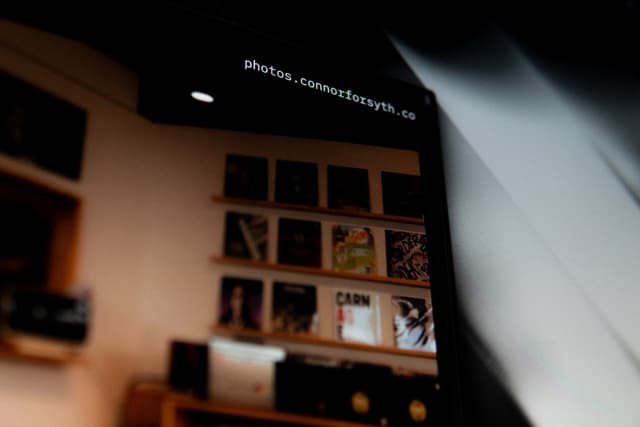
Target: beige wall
(148, 230)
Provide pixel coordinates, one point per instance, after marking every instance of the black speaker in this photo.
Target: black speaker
(354, 392)
(363, 393)
(189, 368)
(44, 314)
(306, 388)
(412, 400)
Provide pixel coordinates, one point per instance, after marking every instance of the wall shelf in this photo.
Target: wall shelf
(239, 262)
(318, 209)
(31, 196)
(55, 359)
(314, 340)
(176, 410)
(44, 179)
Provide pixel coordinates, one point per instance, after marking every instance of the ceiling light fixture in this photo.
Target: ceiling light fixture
(202, 97)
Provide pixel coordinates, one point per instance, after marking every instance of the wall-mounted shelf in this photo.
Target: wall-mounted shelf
(42, 178)
(32, 197)
(318, 209)
(9, 353)
(314, 340)
(177, 410)
(239, 262)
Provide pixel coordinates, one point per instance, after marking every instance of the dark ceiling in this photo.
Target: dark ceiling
(597, 34)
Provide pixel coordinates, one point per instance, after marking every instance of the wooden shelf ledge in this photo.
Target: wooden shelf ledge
(240, 262)
(318, 209)
(314, 340)
(9, 353)
(173, 406)
(40, 177)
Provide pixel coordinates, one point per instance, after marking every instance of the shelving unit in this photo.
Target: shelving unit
(314, 340)
(60, 201)
(240, 262)
(317, 209)
(55, 198)
(177, 411)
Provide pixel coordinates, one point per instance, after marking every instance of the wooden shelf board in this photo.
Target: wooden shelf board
(9, 353)
(240, 262)
(181, 403)
(314, 340)
(318, 209)
(40, 177)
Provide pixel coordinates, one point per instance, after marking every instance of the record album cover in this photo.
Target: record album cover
(299, 242)
(348, 188)
(297, 182)
(413, 323)
(245, 236)
(246, 177)
(357, 316)
(241, 303)
(402, 195)
(294, 308)
(353, 249)
(407, 255)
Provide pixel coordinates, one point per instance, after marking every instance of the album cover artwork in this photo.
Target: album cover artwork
(299, 242)
(353, 250)
(357, 316)
(246, 177)
(402, 195)
(297, 182)
(241, 303)
(407, 255)
(294, 308)
(246, 236)
(413, 323)
(348, 188)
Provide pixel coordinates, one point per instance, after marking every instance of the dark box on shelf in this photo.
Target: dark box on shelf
(44, 314)
(189, 368)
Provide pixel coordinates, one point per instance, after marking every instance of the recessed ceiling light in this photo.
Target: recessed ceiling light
(201, 96)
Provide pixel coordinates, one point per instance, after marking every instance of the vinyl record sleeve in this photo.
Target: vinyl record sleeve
(246, 236)
(241, 303)
(294, 308)
(407, 255)
(299, 242)
(353, 249)
(246, 177)
(357, 316)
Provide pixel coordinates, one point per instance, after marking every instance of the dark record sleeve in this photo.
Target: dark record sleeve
(294, 308)
(402, 195)
(297, 183)
(299, 242)
(348, 188)
(246, 236)
(246, 177)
